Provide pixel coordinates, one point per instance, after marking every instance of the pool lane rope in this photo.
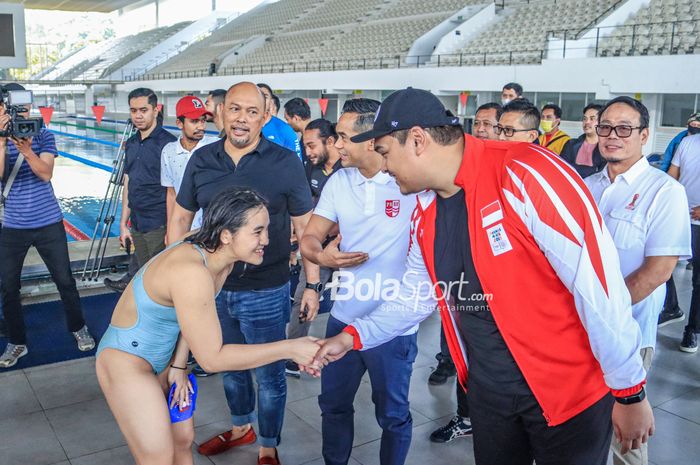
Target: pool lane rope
(81, 126)
(116, 121)
(74, 232)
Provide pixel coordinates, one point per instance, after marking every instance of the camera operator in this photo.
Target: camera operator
(33, 218)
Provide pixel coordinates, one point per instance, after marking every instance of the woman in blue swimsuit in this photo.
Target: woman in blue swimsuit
(168, 310)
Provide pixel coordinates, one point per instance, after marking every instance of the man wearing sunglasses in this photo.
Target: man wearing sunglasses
(646, 213)
(519, 122)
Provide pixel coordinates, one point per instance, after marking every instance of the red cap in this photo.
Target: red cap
(191, 107)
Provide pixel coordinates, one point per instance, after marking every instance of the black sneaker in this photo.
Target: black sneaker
(116, 285)
(444, 370)
(199, 372)
(292, 369)
(666, 318)
(458, 427)
(689, 343)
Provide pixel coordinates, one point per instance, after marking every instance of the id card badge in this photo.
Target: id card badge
(498, 239)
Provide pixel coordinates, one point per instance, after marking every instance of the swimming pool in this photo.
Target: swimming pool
(80, 183)
(82, 171)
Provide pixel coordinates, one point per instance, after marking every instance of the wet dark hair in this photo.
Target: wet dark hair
(298, 107)
(491, 106)
(228, 211)
(630, 102)
(325, 128)
(144, 92)
(514, 86)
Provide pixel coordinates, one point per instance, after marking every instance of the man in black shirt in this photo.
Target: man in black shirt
(254, 305)
(319, 144)
(143, 198)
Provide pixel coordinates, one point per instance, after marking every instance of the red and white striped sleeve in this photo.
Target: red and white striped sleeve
(560, 213)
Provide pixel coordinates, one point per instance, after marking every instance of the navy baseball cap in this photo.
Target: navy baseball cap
(405, 109)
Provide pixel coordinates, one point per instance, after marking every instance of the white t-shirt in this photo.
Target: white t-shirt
(687, 158)
(645, 212)
(373, 217)
(173, 161)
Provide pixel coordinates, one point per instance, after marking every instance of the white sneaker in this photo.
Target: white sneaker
(12, 354)
(84, 339)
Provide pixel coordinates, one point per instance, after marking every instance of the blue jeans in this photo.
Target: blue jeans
(389, 366)
(256, 317)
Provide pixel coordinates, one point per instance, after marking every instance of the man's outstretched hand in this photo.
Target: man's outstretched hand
(331, 350)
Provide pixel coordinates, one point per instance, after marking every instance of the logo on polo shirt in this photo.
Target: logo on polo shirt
(197, 103)
(631, 205)
(392, 208)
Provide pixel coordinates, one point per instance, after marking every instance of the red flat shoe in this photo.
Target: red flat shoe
(222, 442)
(269, 460)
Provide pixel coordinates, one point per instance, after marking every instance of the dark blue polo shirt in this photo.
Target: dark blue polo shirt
(142, 164)
(277, 175)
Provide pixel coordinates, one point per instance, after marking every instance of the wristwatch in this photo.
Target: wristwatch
(633, 399)
(318, 287)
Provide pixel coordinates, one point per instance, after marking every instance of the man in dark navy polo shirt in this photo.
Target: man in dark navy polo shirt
(143, 199)
(254, 304)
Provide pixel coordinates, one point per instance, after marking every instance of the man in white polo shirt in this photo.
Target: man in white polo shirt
(192, 120)
(685, 167)
(370, 251)
(645, 211)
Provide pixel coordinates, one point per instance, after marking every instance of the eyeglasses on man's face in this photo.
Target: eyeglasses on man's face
(510, 131)
(622, 130)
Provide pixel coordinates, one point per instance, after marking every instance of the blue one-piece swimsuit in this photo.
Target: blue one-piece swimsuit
(154, 336)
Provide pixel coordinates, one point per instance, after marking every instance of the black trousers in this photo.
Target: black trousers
(671, 301)
(694, 316)
(511, 430)
(462, 405)
(50, 241)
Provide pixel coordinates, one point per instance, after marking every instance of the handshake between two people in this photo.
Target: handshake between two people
(312, 354)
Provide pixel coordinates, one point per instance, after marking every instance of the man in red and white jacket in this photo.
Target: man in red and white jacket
(528, 284)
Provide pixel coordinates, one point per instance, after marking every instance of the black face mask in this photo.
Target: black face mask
(693, 130)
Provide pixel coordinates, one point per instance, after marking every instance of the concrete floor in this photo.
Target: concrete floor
(56, 414)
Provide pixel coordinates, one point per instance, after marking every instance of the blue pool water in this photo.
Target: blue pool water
(82, 173)
(81, 186)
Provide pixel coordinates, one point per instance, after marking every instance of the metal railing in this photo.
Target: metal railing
(401, 61)
(597, 19)
(658, 38)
